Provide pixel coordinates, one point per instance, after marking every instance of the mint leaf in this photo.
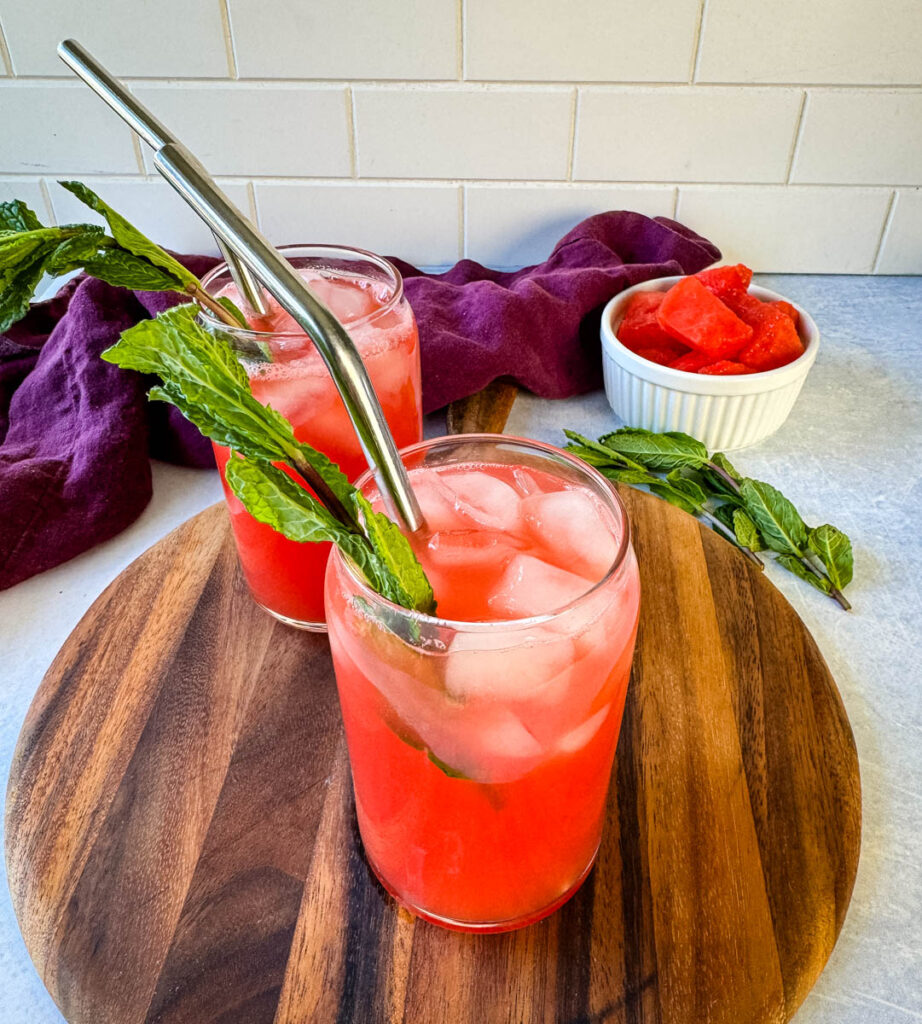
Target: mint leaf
(623, 476)
(203, 378)
(73, 252)
(671, 450)
(745, 530)
(835, 552)
(394, 550)
(128, 237)
(18, 289)
(16, 216)
(234, 311)
(272, 497)
(796, 566)
(125, 270)
(452, 773)
(721, 460)
(778, 521)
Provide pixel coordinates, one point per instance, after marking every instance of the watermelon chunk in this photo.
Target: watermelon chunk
(725, 367)
(662, 354)
(787, 308)
(724, 281)
(775, 341)
(691, 362)
(639, 328)
(697, 318)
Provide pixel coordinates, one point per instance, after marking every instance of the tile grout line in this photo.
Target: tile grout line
(251, 199)
(538, 184)
(459, 25)
(675, 203)
(462, 222)
(798, 135)
(488, 84)
(696, 52)
(571, 153)
(884, 231)
(46, 195)
(138, 155)
(229, 48)
(353, 136)
(5, 57)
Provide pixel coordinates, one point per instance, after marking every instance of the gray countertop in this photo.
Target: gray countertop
(849, 455)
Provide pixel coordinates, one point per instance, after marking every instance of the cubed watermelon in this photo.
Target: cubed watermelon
(787, 308)
(724, 281)
(691, 362)
(639, 328)
(697, 318)
(775, 341)
(725, 368)
(662, 354)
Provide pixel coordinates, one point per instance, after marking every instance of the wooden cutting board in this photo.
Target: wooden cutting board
(182, 846)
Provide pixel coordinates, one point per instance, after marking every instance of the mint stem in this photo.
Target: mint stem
(719, 526)
(813, 564)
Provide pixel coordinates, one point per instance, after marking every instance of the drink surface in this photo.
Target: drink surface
(481, 754)
(284, 576)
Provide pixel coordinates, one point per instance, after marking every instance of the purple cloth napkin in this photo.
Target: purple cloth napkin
(76, 433)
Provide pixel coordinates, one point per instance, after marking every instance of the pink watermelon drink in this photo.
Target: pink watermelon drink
(481, 742)
(285, 370)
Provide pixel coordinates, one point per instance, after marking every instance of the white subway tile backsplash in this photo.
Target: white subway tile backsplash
(419, 223)
(820, 41)
(582, 40)
(861, 138)
(462, 133)
(789, 229)
(61, 128)
(29, 191)
(685, 134)
(510, 226)
(169, 38)
(901, 252)
(153, 207)
(404, 39)
(257, 129)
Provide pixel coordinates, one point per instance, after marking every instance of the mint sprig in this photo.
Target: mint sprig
(201, 376)
(749, 513)
(124, 258)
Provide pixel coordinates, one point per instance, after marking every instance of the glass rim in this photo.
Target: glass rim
(295, 249)
(488, 625)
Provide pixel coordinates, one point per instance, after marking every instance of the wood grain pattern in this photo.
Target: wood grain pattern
(182, 846)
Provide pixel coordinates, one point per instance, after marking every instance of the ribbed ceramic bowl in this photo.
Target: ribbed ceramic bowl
(723, 412)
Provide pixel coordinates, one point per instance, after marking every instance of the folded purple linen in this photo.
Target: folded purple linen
(76, 433)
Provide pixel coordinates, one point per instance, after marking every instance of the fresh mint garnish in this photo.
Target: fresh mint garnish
(125, 258)
(749, 513)
(201, 376)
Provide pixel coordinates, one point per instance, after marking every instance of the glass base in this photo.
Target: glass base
(487, 927)
(310, 627)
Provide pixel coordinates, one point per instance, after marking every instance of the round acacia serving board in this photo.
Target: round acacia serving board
(182, 847)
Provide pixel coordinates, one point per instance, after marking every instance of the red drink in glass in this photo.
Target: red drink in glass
(365, 293)
(482, 741)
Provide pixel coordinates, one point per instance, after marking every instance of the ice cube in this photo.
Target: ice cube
(570, 526)
(346, 300)
(529, 586)
(458, 548)
(486, 500)
(507, 664)
(582, 734)
(436, 501)
(486, 742)
(525, 482)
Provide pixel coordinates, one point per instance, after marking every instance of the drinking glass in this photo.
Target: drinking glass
(481, 751)
(286, 371)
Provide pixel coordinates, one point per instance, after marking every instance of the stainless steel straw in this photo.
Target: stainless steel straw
(155, 134)
(191, 181)
(247, 250)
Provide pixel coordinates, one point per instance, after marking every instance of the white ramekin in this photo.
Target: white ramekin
(722, 412)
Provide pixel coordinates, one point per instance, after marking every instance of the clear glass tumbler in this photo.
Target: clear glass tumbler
(481, 751)
(286, 371)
